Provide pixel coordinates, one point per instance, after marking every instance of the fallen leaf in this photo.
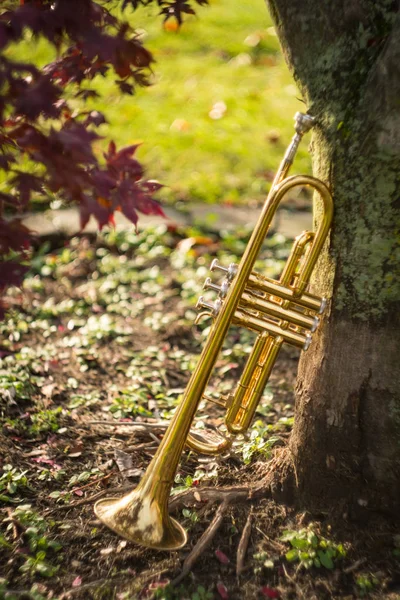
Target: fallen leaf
(222, 591)
(36, 452)
(270, 592)
(222, 557)
(180, 125)
(75, 450)
(123, 459)
(185, 245)
(77, 582)
(48, 390)
(134, 473)
(125, 464)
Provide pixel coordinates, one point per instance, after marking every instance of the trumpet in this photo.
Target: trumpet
(278, 311)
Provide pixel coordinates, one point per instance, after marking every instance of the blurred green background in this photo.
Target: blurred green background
(219, 114)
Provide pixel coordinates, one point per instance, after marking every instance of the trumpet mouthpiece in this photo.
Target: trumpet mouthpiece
(303, 123)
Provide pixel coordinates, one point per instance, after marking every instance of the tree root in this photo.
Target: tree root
(226, 496)
(243, 544)
(203, 543)
(230, 495)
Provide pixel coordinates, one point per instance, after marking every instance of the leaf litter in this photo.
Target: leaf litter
(96, 353)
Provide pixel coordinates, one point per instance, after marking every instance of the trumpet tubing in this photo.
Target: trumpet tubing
(278, 311)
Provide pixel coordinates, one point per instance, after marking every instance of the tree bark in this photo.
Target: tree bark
(345, 57)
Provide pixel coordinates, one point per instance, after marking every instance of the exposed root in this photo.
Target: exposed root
(243, 544)
(230, 495)
(203, 543)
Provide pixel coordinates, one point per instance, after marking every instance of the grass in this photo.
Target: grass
(218, 116)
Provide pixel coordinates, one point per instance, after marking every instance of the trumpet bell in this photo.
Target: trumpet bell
(142, 520)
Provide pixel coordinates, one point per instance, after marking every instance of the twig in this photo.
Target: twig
(203, 543)
(354, 566)
(291, 579)
(278, 547)
(107, 580)
(91, 584)
(142, 445)
(93, 482)
(299, 595)
(243, 544)
(111, 491)
(13, 522)
(134, 424)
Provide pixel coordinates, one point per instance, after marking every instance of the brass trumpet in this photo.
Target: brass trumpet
(278, 311)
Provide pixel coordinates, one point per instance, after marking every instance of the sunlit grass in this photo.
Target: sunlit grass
(218, 116)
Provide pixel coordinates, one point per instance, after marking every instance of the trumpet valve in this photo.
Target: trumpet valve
(307, 342)
(229, 271)
(315, 324)
(221, 289)
(213, 307)
(323, 306)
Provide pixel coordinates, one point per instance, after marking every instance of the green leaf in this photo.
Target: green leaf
(325, 559)
(3, 542)
(292, 555)
(56, 546)
(269, 564)
(312, 538)
(299, 543)
(317, 562)
(288, 535)
(12, 487)
(46, 570)
(4, 498)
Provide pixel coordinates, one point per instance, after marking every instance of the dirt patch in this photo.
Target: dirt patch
(99, 339)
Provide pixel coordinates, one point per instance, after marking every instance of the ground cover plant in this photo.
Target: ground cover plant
(95, 354)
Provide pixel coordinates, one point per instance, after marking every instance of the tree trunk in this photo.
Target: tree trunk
(345, 446)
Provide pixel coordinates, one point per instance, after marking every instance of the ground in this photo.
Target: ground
(99, 341)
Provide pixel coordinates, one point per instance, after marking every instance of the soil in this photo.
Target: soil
(146, 362)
